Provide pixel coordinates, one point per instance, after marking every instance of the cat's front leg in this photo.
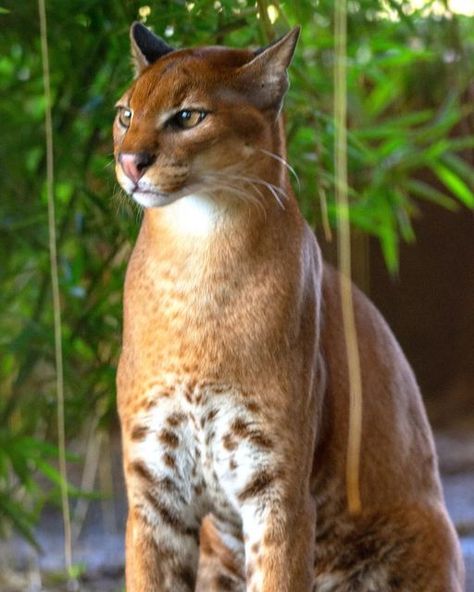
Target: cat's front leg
(162, 544)
(263, 463)
(279, 544)
(160, 557)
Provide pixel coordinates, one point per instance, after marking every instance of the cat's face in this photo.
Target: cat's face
(195, 120)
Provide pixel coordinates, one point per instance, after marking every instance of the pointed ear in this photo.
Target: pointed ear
(265, 76)
(146, 47)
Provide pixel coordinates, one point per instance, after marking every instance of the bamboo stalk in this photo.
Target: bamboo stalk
(344, 262)
(55, 287)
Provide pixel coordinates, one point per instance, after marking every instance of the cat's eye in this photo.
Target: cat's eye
(188, 118)
(124, 116)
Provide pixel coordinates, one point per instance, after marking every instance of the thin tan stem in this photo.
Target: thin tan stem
(55, 286)
(344, 262)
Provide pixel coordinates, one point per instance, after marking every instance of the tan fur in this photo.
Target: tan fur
(233, 342)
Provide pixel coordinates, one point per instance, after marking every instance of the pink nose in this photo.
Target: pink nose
(134, 164)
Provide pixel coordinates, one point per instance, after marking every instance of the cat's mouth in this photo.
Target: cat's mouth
(148, 195)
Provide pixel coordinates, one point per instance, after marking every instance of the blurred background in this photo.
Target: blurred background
(411, 173)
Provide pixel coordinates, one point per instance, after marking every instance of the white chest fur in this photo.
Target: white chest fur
(195, 215)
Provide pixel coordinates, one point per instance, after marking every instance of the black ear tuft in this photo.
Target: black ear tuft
(146, 46)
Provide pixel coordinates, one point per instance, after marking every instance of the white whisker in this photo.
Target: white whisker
(277, 192)
(125, 203)
(284, 163)
(219, 184)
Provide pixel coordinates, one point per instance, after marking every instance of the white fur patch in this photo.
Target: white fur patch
(193, 214)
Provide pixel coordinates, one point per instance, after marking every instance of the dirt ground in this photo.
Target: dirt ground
(99, 550)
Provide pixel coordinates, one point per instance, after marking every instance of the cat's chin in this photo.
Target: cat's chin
(152, 199)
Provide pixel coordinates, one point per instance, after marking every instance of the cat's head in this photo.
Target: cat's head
(197, 119)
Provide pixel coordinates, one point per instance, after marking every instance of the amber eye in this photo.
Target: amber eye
(124, 116)
(187, 119)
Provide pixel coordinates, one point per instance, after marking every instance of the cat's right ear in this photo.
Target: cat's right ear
(265, 77)
(146, 47)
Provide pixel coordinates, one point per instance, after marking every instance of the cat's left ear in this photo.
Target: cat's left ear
(146, 47)
(265, 76)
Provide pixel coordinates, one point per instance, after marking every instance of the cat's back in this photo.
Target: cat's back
(398, 458)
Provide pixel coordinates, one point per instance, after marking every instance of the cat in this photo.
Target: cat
(232, 383)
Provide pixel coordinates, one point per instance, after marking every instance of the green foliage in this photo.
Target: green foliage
(24, 460)
(406, 81)
(408, 111)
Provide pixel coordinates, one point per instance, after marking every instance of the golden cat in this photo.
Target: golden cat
(232, 383)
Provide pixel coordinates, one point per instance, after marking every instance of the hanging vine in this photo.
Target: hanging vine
(54, 272)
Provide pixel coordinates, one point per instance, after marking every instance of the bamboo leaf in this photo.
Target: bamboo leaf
(21, 519)
(455, 184)
(429, 193)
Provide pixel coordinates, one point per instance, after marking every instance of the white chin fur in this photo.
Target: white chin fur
(152, 200)
(191, 214)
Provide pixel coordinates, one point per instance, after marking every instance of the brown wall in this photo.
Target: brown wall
(431, 305)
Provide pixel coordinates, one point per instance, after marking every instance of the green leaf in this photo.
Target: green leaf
(389, 243)
(455, 184)
(460, 167)
(427, 192)
(55, 477)
(21, 519)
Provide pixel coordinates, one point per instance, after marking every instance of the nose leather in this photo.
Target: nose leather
(135, 164)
